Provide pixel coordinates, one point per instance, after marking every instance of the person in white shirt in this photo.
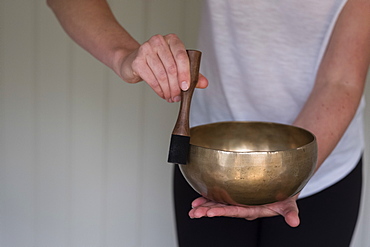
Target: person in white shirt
(296, 62)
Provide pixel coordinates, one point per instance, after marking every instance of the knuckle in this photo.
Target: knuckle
(156, 40)
(162, 75)
(181, 55)
(137, 66)
(173, 39)
(172, 70)
(144, 49)
(154, 85)
(171, 36)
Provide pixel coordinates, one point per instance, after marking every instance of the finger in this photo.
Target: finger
(171, 70)
(292, 219)
(288, 209)
(158, 69)
(202, 211)
(200, 206)
(248, 212)
(212, 209)
(212, 204)
(290, 213)
(172, 54)
(202, 81)
(228, 211)
(141, 68)
(204, 202)
(198, 202)
(182, 60)
(161, 63)
(147, 75)
(198, 212)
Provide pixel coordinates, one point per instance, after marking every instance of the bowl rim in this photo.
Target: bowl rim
(313, 142)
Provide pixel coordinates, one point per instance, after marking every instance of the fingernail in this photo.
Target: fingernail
(184, 86)
(177, 99)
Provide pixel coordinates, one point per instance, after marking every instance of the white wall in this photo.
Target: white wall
(82, 154)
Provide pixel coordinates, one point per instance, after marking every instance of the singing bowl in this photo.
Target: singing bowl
(249, 163)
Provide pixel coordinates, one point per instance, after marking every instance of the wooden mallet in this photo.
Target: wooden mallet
(180, 139)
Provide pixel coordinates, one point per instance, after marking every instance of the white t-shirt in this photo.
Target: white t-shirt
(261, 59)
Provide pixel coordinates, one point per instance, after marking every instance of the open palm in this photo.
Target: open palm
(203, 207)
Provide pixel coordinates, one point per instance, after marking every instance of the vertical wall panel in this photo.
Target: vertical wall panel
(17, 112)
(124, 158)
(157, 201)
(132, 15)
(53, 135)
(166, 16)
(125, 153)
(89, 116)
(192, 13)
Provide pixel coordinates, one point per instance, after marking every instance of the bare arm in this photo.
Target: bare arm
(340, 80)
(328, 111)
(91, 24)
(161, 61)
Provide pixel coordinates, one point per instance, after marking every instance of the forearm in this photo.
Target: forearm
(327, 114)
(91, 24)
(340, 79)
(161, 61)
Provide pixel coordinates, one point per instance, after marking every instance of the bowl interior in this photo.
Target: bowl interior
(249, 136)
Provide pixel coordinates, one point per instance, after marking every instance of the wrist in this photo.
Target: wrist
(121, 65)
(118, 57)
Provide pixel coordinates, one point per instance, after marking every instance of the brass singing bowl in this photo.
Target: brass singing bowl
(249, 163)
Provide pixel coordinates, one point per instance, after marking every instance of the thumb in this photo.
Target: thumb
(202, 81)
(292, 218)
